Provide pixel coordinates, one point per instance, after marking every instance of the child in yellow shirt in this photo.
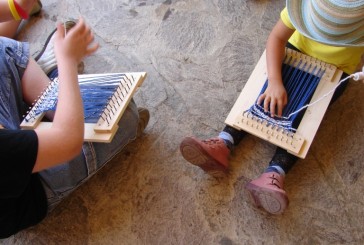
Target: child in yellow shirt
(332, 31)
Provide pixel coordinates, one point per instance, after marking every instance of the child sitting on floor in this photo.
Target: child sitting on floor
(329, 30)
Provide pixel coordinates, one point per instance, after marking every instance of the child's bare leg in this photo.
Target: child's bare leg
(34, 81)
(9, 28)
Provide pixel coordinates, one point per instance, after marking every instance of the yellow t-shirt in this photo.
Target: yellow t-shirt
(344, 58)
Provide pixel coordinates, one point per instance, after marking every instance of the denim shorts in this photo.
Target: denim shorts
(63, 179)
(60, 180)
(14, 58)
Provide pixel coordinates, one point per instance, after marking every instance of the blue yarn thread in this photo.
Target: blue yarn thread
(96, 94)
(300, 83)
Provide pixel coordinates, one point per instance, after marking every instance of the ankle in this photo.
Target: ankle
(275, 168)
(228, 144)
(227, 138)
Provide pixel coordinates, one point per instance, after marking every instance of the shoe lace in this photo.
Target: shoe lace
(213, 141)
(275, 181)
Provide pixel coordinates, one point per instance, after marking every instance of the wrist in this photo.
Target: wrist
(17, 11)
(23, 13)
(67, 64)
(275, 80)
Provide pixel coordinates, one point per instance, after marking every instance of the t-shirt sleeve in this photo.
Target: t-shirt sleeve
(286, 20)
(18, 154)
(23, 202)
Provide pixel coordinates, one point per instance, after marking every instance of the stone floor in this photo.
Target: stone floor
(198, 55)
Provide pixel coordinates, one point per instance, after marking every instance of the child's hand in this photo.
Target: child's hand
(74, 45)
(275, 98)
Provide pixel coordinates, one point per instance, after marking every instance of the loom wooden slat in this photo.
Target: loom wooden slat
(101, 131)
(109, 127)
(89, 136)
(297, 143)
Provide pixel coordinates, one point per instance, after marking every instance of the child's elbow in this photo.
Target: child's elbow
(77, 145)
(74, 146)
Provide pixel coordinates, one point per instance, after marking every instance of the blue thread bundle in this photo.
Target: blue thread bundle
(300, 83)
(96, 93)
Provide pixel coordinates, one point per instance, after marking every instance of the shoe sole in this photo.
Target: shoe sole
(271, 201)
(196, 155)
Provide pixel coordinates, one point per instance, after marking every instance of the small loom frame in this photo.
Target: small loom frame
(101, 131)
(296, 143)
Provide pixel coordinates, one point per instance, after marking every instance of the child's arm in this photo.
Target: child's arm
(5, 12)
(63, 141)
(275, 96)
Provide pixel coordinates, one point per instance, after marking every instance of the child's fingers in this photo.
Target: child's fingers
(266, 103)
(272, 108)
(60, 30)
(279, 108)
(78, 29)
(92, 49)
(260, 99)
(89, 36)
(80, 39)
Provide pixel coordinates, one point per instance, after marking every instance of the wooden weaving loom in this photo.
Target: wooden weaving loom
(299, 141)
(105, 97)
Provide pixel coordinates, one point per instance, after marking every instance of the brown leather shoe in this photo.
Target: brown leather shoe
(267, 192)
(211, 155)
